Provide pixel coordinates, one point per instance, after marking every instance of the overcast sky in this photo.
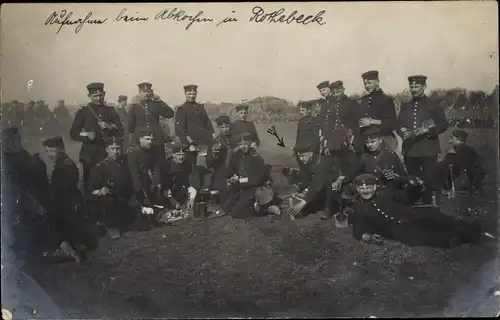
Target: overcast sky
(453, 43)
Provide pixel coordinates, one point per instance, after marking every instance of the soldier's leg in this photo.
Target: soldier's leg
(431, 181)
(243, 207)
(86, 167)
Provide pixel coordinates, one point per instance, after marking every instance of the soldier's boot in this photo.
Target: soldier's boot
(327, 214)
(273, 209)
(67, 253)
(114, 233)
(436, 199)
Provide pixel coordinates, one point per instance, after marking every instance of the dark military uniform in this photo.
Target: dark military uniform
(383, 159)
(123, 114)
(66, 206)
(192, 124)
(63, 118)
(13, 116)
(336, 117)
(147, 114)
(144, 167)
(307, 130)
(113, 209)
(316, 179)
(176, 178)
(464, 160)
(86, 120)
(420, 153)
(387, 215)
(378, 105)
(251, 168)
(242, 126)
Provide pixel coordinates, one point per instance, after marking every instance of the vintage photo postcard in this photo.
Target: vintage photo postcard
(250, 160)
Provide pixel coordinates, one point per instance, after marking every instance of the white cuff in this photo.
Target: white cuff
(243, 180)
(192, 193)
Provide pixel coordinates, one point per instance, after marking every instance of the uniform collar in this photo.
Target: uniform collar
(422, 97)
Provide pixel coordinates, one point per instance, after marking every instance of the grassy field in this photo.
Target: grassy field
(273, 267)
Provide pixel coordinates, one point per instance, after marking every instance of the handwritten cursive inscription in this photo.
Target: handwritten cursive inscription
(227, 20)
(278, 16)
(123, 16)
(63, 18)
(181, 16)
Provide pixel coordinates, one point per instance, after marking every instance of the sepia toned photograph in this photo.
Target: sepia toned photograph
(249, 160)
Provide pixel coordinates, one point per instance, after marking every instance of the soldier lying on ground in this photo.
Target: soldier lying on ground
(249, 192)
(385, 213)
(66, 206)
(462, 159)
(110, 190)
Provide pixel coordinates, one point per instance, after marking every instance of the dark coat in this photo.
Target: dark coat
(113, 174)
(411, 116)
(141, 163)
(191, 120)
(319, 174)
(378, 105)
(93, 151)
(308, 133)
(388, 215)
(64, 185)
(376, 162)
(147, 114)
(238, 127)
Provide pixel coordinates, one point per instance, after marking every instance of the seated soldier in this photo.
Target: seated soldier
(179, 182)
(462, 159)
(382, 162)
(144, 169)
(217, 162)
(110, 188)
(315, 176)
(242, 125)
(249, 193)
(66, 204)
(384, 213)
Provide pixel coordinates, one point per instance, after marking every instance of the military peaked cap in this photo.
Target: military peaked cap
(111, 141)
(336, 84)
(122, 98)
(323, 85)
(417, 79)
(179, 147)
(95, 88)
(305, 104)
(372, 131)
(222, 119)
(144, 86)
(54, 142)
(370, 75)
(365, 179)
(242, 107)
(190, 87)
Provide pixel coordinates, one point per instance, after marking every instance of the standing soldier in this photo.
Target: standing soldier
(241, 125)
(91, 126)
(194, 128)
(45, 120)
(122, 111)
(420, 140)
(63, 118)
(378, 109)
(307, 130)
(30, 128)
(344, 119)
(324, 111)
(145, 111)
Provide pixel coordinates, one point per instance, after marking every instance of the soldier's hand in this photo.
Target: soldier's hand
(156, 97)
(364, 122)
(91, 135)
(192, 148)
(190, 204)
(337, 184)
(365, 237)
(389, 174)
(327, 151)
(102, 124)
(253, 145)
(105, 191)
(406, 135)
(296, 209)
(421, 131)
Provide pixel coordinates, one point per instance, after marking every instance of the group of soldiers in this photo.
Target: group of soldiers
(131, 167)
